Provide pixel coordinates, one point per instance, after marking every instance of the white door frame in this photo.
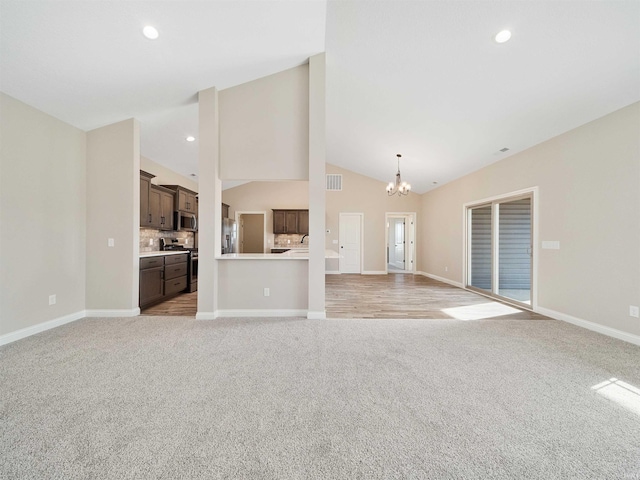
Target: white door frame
(251, 212)
(409, 236)
(361, 215)
(466, 231)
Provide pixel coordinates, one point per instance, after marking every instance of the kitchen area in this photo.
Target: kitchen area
(168, 248)
(169, 240)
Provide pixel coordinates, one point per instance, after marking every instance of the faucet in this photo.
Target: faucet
(305, 235)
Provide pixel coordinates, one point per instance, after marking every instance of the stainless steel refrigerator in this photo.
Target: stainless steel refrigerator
(229, 235)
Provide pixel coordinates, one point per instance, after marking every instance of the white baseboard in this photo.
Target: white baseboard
(261, 313)
(373, 272)
(596, 327)
(317, 315)
(134, 312)
(41, 327)
(441, 279)
(332, 272)
(206, 316)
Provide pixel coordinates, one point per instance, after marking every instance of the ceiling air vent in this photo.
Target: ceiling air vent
(505, 149)
(334, 182)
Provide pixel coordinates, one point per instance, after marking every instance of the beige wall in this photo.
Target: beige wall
(265, 196)
(365, 195)
(113, 211)
(42, 216)
(589, 199)
(264, 128)
(165, 176)
(242, 290)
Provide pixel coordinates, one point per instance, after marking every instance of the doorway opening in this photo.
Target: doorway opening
(500, 251)
(251, 232)
(400, 234)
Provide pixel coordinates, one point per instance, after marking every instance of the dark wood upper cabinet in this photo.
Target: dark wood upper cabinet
(291, 221)
(145, 185)
(156, 204)
(167, 201)
(185, 199)
(303, 222)
(155, 208)
(225, 210)
(279, 224)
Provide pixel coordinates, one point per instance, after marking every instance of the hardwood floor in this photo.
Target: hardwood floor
(410, 296)
(184, 305)
(384, 296)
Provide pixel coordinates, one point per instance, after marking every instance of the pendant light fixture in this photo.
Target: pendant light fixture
(400, 187)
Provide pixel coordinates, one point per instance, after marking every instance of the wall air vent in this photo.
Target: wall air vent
(334, 182)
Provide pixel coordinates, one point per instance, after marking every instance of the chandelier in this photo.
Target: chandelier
(400, 187)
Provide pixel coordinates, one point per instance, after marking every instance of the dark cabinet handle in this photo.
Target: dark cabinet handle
(149, 218)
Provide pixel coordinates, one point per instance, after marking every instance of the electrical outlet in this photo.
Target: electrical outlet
(266, 292)
(634, 311)
(446, 269)
(288, 241)
(111, 242)
(151, 242)
(52, 299)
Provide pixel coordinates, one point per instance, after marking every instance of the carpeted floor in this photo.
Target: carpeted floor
(175, 398)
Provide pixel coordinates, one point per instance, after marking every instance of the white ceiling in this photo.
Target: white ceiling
(421, 78)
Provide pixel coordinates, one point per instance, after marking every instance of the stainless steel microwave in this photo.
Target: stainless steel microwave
(186, 222)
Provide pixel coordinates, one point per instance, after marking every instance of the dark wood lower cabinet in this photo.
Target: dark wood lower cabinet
(151, 285)
(161, 277)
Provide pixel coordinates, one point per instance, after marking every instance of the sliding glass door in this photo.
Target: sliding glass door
(499, 251)
(480, 245)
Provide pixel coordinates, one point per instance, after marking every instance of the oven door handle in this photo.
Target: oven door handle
(194, 222)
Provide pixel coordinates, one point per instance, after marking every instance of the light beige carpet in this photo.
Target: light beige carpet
(172, 398)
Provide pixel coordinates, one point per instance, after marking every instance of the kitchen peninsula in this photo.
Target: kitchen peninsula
(265, 284)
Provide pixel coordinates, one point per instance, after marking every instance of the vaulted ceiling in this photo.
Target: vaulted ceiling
(421, 78)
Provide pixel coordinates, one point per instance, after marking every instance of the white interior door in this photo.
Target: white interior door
(350, 242)
(399, 243)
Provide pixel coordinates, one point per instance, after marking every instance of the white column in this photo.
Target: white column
(209, 204)
(317, 207)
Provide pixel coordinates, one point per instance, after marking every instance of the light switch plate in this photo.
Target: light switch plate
(551, 245)
(111, 242)
(634, 311)
(335, 242)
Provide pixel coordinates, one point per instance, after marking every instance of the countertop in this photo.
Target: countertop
(294, 254)
(159, 254)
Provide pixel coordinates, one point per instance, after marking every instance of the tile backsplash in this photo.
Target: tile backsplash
(147, 234)
(283, 240)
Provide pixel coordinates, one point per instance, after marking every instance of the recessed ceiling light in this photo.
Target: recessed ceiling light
(150, 32)
(191, 139)
(503, 36)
